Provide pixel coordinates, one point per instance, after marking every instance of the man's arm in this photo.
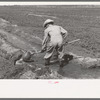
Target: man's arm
(64, 32)
(45, 39)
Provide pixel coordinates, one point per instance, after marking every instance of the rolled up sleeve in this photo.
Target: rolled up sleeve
(45, 39)
(64, 32)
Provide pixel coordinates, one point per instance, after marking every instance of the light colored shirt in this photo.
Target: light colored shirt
(54, 35)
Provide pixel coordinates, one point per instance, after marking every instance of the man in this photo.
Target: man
(54, 37)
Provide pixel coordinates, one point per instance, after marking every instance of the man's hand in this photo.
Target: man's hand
(43, 49)
(65, 42)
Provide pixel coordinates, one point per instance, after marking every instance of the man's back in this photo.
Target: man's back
(55, 35)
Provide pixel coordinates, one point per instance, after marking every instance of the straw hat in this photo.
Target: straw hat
(47, 22)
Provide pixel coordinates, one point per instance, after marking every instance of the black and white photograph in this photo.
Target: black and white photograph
(49, 49)
(49, 41)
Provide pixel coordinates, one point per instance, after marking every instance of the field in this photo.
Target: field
(22, 28)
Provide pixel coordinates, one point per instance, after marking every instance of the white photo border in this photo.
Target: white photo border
(70, 88)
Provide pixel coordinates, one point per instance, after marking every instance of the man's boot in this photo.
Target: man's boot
(61, 63)
(47, 62)
(60, 70)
